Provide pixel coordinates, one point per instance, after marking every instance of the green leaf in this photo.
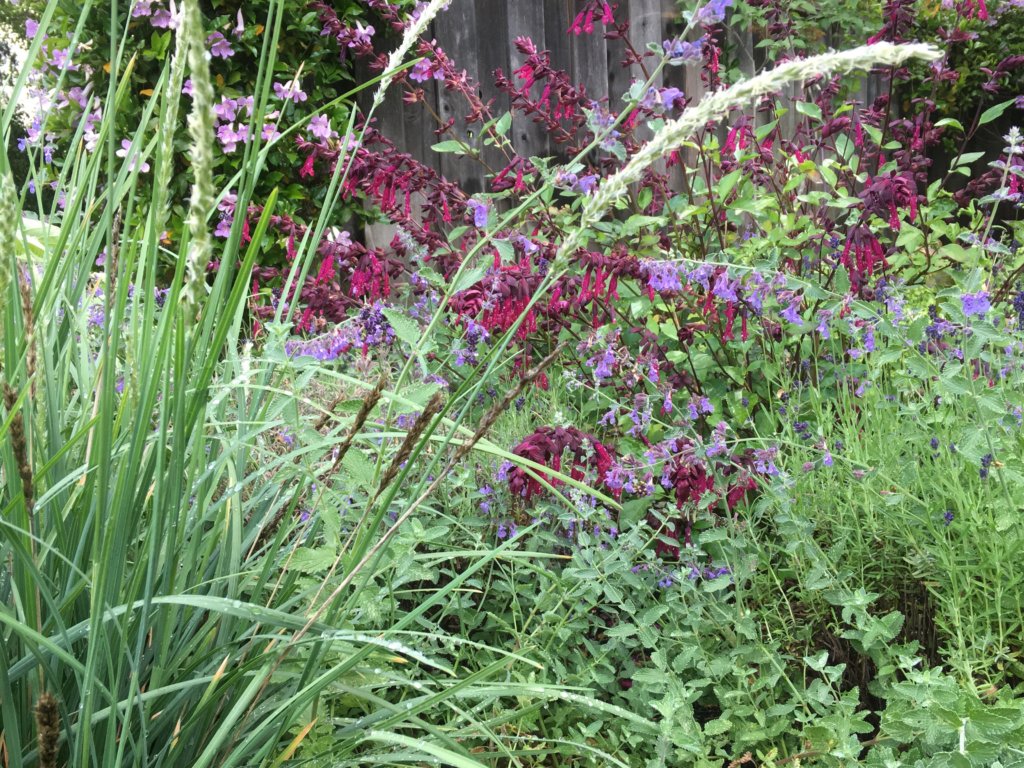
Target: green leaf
(506, 251)
(503, 124)
(446, 756)
(809, 108)
(406, 329)
(967, 158)
(950, 121)
(717, 727)
(450, 147)
(994, 112)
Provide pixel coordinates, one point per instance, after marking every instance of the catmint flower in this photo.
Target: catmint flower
(986, 462)
(610, 418)
(826, 460)
(976, 304)
(663, 276)
(585, 184)
(791, 312)
(717, 447)
(680, 51)
(724, 289)
(480, 211)
(223, 229)
(764, 461)
(713, 12)
(219, 45)
(605, 364)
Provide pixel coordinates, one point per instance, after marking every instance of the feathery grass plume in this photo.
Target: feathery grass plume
(432, 408)
(48, 725)
(172, 96)
(200, 128)
(8, 232)
(19, 446)
(412, 34)
(718, 104)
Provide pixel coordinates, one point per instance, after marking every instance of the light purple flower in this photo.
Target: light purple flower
(187, 88)
(792, 312)
(976, 304)
(663, 276)
(480, 211)
(424, 69)
(361, 35)
(724, 288)
(291, 90)
(219, 45)
(713, 12)
(679, 51)
(163, 18)
(227, 110)
(223, 227)
(586, 184)
(126, 148)
(230, 137)
(31, 28)
(239, 29)
(320, 127)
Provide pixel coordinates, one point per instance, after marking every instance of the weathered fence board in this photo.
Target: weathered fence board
(479, 36)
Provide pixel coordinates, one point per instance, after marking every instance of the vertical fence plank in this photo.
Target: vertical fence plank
(646, 25)
(456, 33)
(526, 19)
(590, 62)
(493, 52)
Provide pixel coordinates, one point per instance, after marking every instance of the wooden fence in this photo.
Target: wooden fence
(479, 35)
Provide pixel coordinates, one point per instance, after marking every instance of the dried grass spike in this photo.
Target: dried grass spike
(411, 438)
(48, 725)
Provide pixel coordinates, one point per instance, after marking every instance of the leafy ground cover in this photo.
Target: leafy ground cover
(697, 444)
